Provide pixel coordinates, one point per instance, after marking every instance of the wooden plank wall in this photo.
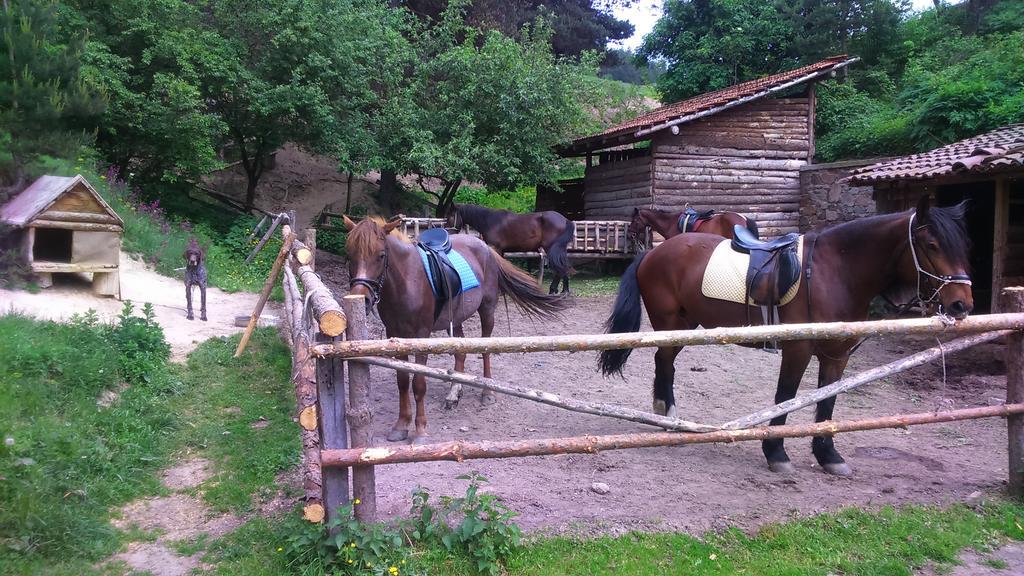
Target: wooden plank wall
(615, 188)
(744, 160)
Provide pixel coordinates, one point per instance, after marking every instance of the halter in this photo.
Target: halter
(943, 279)
(375, 286)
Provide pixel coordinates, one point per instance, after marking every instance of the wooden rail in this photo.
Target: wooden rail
(459, 451)
(744, 334)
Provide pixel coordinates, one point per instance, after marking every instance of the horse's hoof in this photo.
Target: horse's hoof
(488, 398)
(671, 412)
(784, 467)
(421, 439)
(397, 435)
(450, 404)
(203, 318)
(838, 469)
(659, 407)
(190, 317)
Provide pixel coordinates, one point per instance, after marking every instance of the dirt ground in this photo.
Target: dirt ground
(70, 295)
(702, 487)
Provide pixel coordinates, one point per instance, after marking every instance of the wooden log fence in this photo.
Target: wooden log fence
(739, 335)
(459, 450)
(329, 450)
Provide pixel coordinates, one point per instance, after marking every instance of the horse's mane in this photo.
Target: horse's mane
(361, 239)
(946, 224)
(480, 217)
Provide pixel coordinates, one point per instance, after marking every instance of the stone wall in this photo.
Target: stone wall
(825, 199)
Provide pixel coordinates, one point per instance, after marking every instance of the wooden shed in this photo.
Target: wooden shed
(737, 149)
(988, 171)
(62, 225)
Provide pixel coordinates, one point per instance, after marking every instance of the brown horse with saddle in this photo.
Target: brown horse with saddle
(672, 223)
(435, 284)
(510, 232)
(694, 280)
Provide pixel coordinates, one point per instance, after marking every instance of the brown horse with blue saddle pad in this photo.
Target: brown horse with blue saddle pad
(672, 223)
(510, 232)
(695, 280)
(434, 285)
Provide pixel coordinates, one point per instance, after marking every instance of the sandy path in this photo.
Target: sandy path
(71, 295)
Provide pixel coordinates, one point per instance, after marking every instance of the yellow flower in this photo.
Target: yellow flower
(280, 549)
(352, 545)
(357, 502)
(713, 557)
(349, 560)
(393, 570)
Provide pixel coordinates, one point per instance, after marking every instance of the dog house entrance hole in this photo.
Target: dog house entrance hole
(52, 245)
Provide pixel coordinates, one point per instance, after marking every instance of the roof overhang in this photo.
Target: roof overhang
(637, 134)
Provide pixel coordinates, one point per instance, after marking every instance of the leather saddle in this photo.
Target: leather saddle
(774, 265)
(690, 219)
(444, 278)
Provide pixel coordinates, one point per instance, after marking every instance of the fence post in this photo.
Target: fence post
(330, 382)
(1013, 301)
(360, 417)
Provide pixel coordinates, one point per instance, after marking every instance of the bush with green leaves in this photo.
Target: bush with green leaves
(140, 343)
(475, 526)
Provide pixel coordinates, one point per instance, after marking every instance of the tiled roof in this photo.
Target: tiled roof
(33, 200)
(1000, 149)
(733, 95)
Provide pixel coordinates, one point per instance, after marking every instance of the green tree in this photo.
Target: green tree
(711, 44)
(46, 106)
(150, 57)
(306, 72)
(484, 108)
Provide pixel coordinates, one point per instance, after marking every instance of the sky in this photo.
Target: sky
(644, 13)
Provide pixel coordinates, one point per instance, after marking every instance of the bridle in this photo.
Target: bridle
(374, 285)
(943, 279)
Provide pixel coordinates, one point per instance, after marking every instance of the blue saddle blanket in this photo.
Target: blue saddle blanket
(466, 274)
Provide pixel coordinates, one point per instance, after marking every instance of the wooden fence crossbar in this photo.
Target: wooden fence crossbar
(571, 404)
(745, 334)
(851, 382)
(468, 450)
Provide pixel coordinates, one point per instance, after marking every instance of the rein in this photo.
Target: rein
(374, 285)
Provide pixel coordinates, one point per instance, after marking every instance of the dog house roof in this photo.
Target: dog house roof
(41, 194)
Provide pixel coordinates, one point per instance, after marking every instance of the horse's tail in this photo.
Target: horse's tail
(625, 317)
(752, 226)
(522, 288)
(559, 256)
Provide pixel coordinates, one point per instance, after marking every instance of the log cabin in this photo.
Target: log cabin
(738, 149)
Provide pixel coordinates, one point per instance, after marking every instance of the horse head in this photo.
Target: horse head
(940, 249)
(451, 217)
(637, 223)
(367, 251)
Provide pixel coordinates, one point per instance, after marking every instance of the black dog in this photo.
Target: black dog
(195, 275)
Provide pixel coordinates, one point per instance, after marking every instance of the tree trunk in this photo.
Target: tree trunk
(447, 197)
(348, 194)
(388, 189)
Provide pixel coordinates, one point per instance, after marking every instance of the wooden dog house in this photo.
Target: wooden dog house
(62, 225)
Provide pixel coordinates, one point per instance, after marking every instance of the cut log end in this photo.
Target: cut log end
(313, 512)
(307, 418)
(332, 323)
(304, 256)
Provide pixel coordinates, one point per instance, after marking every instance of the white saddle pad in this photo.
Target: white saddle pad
(726, 274)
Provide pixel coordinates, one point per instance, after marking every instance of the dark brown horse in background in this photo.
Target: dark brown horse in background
(510, 232)
(669, 223)
(844, 268)
(386, 267)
